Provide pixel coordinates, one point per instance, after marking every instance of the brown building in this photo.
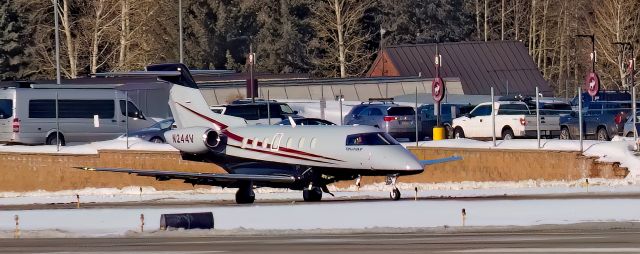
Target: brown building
(505, 65)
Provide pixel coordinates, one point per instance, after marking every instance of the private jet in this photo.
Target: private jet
(306, 158)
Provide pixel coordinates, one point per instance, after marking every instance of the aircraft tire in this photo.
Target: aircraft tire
(395, 194)
(312, 195)
(244, 196)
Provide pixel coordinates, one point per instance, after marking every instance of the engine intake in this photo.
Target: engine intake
(196, 140)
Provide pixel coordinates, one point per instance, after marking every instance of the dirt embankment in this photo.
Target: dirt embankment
(54, 172)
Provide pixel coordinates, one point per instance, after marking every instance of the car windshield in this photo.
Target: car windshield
(285, 109)
(370, 139)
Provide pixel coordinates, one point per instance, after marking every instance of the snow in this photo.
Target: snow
(135, 144)
(380, 190)
(617, 150)
(343, 215)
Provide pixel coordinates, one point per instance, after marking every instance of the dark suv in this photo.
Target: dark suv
(258, 112)
(601, 120)
(427, 117)
(397, 120)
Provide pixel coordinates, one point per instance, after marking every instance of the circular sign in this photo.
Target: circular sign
(437, 89)
(593, 84)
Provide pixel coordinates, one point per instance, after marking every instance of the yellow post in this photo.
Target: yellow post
(438, 133)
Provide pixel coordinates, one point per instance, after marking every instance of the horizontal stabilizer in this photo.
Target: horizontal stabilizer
(443, 160)
(167, 175)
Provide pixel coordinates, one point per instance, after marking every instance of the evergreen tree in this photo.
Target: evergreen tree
(12, 45)
(409, 21)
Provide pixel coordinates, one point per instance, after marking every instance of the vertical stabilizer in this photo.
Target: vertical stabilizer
(187, 104)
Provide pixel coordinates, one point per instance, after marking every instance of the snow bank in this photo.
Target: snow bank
(135, 144)
(618, 150)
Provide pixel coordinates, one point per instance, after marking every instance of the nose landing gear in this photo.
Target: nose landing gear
(312, 194)
(395, 193)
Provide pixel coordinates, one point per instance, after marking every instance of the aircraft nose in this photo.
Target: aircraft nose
(414, 165)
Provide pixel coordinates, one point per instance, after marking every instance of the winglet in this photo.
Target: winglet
(442, 160)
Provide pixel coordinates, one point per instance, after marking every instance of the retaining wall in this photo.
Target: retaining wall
(53, 172)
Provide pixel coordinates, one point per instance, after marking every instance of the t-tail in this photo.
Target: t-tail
(188, 106)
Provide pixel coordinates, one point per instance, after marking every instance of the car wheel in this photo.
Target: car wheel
(602, 134)
(52, 139)
(157, 140)
(448, 131)
(507, 134)
(458, 133)
(565, 134)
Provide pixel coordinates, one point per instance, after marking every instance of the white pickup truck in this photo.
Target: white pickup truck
(513, 119)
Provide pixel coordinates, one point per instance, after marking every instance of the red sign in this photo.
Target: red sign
(593, 84)
(437, 89)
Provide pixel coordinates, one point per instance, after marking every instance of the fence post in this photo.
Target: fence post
(580, 118)
(538, 116)
(493, 118)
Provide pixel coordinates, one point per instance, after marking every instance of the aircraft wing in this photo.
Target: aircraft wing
(442, 160)
(189, 176)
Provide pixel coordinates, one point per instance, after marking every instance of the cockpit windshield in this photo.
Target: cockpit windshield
(371, 139)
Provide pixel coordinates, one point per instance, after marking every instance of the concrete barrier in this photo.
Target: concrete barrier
(53, 172)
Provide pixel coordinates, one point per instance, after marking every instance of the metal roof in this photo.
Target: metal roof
(479, 65)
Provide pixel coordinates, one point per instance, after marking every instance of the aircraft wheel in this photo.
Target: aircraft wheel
(395, 194)
(245, 195)
(312, 195)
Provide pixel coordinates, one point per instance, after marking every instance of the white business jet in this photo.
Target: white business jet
(306, 158)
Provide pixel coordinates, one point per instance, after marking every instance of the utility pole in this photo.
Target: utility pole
(58, 79)
(593, 49)
(180, 25)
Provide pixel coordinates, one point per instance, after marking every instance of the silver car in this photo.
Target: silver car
(397, 120)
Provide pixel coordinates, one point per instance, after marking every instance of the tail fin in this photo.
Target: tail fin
(187, 104)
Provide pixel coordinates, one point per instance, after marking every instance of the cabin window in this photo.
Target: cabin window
(289, 143)
(313, 143)
(244, 142)
(265, 144)
(301, 143)
(255, 142)
(276, 141)
(72, 109)
(370, 139)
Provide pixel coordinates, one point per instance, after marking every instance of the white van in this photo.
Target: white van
(86, 113)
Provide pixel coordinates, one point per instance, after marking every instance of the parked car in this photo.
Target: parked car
(306, 121)
(601, 120)
(257, 112)
(397, 120)
(427, 117)
(28, 114)
(603, 95)
(513, 119)
(628, 126)
(155, 132)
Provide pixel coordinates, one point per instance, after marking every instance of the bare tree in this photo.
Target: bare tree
(338, 23)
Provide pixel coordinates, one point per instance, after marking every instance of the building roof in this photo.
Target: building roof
(479, 65)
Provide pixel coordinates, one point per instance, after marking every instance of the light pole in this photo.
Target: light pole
(57, 42)
(180, 25)
(632, 64)
(593, 49)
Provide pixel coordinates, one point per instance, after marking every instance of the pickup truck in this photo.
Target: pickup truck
(513, 120)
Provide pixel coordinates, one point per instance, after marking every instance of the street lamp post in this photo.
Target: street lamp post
(58, 79)
(180, 25)
(632, 64)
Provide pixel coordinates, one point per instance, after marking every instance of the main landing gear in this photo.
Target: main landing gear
(395, 193)
(245, 194)
(312, 194)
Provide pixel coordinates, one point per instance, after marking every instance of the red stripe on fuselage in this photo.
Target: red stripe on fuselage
(220, 125)
(250, 141)
(279, 154)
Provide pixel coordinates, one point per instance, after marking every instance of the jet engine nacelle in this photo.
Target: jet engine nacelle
(196, 140)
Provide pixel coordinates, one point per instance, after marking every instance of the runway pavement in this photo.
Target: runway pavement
(218, 203)
(589, 239)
